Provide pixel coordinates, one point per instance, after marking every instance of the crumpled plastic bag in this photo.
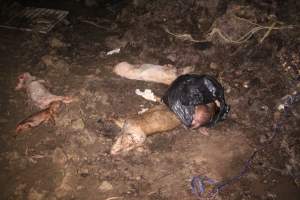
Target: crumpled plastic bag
(190, 90)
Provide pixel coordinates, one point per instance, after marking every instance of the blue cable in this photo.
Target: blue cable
(200, 183)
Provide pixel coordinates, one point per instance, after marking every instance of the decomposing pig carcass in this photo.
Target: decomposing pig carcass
(37, 92)
(193, 100)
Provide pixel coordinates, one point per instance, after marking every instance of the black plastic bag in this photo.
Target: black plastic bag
(190, 90)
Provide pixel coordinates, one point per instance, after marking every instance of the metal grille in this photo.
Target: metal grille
(35, 19)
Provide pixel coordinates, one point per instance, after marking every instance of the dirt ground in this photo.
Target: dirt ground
(71, 160)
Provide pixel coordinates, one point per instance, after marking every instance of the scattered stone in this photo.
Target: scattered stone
(263, 139)
(84, 172)
(78, 124)
(172, 57)
(102, 97)
(53, 62)
(105, 186)
(65, 119)
(87, 137)
(59, 157)
(35, 195)
(65, 187)
(280, 107)
(246, 84)
(252, 176)
(271, 195)
(79, 187)
(20, 190)
(213, 65)
(56, 43)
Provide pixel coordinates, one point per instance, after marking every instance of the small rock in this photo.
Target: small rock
(263, 139)
(105, 186)
(252, 176)
(34, 195)
(20, 190)
(271, 195)
(172, 57)
(246, 84)
(56, 43)
(54, 62)
(87, 137)
(79, 187)
(280, 107)
(98, 71)
(213, 65)
(228, 90)
(59, 157)
(78, 124)
(84, 172)
(66, 186)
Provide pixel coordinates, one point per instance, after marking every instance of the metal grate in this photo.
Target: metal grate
(35, 19)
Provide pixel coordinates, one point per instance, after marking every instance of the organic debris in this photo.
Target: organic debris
(115, 51)
(147, 94)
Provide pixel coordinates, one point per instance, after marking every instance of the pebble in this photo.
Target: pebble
(246, 84)
(59, 157)
(84, 172)
(105, 186)
(56, 43)
(35, 195)
(213, 65)
(263, 139)
(78, 124)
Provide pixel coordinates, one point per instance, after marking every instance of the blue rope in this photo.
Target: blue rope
(204, 187)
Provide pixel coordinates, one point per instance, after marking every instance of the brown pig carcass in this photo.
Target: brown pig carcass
(156, 120)
(43, 116)
(137, 128)
(37, 92)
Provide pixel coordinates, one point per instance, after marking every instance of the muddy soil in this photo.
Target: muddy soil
(71, 160)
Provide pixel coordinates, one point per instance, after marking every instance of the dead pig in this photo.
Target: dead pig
(43, 116)
(156, 120)
(37, 92)
(165, 74)
(137, 128)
